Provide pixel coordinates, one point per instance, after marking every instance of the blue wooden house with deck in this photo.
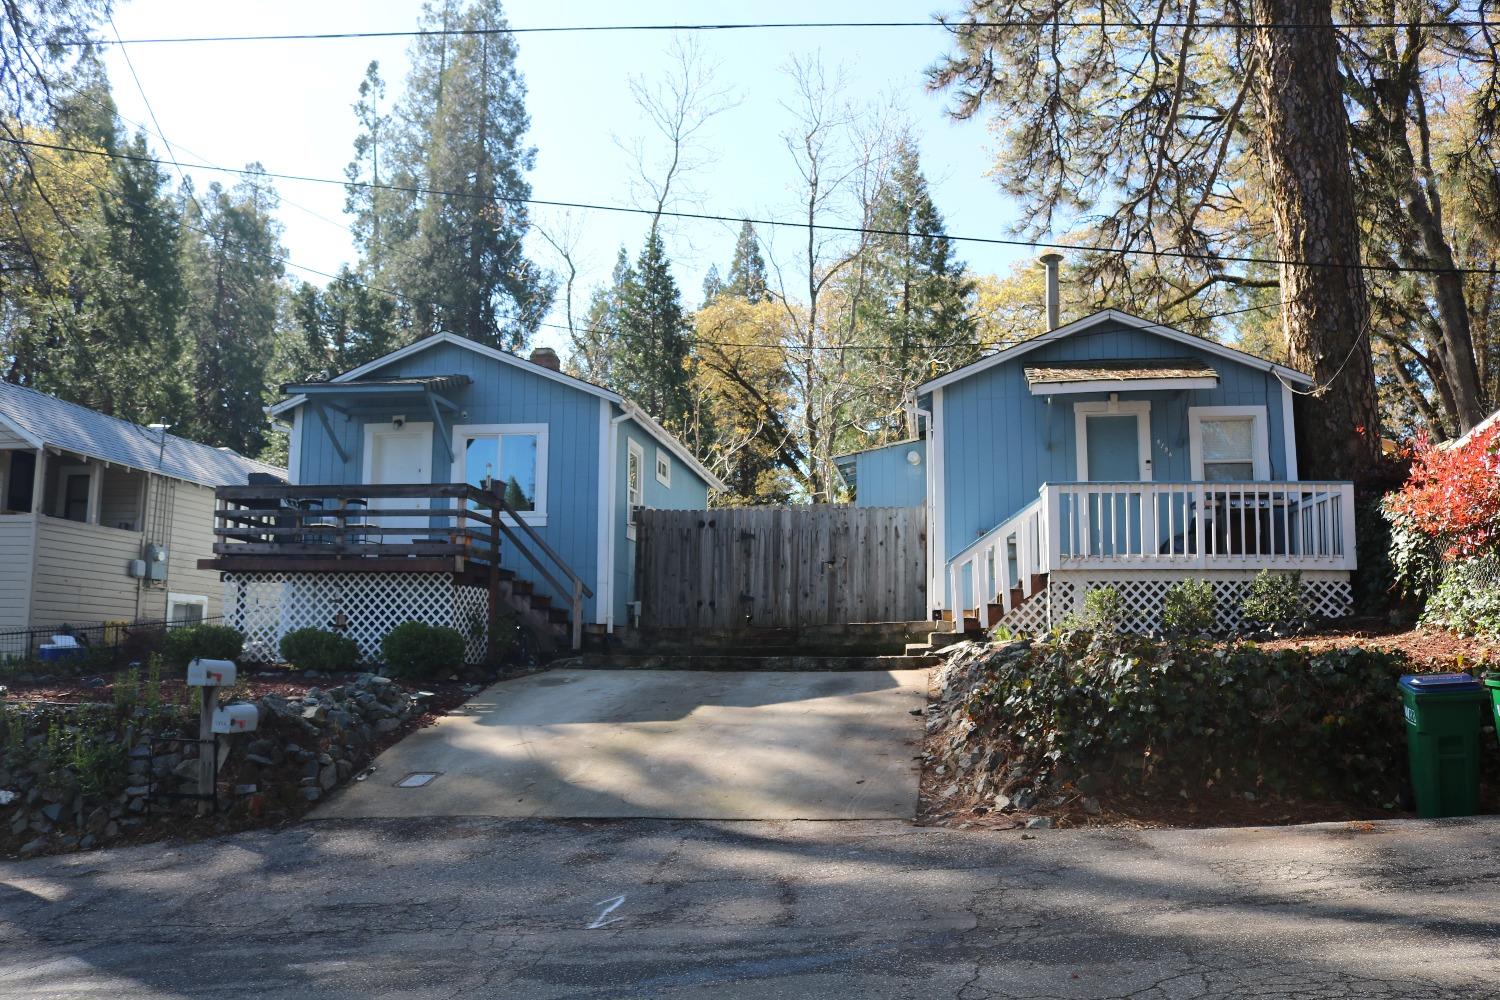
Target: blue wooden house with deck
(1113, 451)
(407, 473)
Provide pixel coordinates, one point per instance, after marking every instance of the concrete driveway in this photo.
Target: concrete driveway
(662, 743)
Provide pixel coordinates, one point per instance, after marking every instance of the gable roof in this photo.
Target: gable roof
(656, 430)
(1123, 319)
(48, 422)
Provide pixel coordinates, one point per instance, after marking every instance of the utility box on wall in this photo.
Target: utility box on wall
(156, 563)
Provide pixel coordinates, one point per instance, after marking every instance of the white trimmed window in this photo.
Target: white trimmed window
(512, 456)
(635, 483)
(1227, 444)
(189, 608)
(663, 467)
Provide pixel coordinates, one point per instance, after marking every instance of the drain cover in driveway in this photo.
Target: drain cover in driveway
(417, 779)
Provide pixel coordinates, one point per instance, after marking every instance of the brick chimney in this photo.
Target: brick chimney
(547, 358)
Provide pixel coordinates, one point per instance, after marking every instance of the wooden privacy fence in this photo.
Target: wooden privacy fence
(781, 566)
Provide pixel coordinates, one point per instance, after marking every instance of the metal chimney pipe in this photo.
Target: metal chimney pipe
(1051, 260)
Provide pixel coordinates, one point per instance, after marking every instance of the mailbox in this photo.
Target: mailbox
(241, 717)
(211, 673)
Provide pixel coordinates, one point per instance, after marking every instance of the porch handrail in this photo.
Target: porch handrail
(577, 590)
(251, 520)
(1205, 525)
(1276, 525)
(987, 560)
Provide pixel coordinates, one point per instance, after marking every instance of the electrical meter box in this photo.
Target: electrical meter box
(156, 562)
(241, 717)
(211, 673)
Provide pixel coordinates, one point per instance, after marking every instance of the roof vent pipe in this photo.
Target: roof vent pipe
(1051, 261)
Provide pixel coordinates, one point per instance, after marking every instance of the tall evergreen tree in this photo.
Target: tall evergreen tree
(911, 296)
(456, 251)
(370, 204)
(713, 284)
(343, 325)
(652, 367)
(234, 294)
(747, 268)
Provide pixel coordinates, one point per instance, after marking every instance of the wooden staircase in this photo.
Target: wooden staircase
(1005, 567)
(973, 623)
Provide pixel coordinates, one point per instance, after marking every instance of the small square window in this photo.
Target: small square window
(663, 468)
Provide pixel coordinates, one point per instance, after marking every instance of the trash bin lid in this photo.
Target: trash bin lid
(1491, 679)
(1450, 683)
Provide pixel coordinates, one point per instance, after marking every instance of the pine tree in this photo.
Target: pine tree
(343, 325)
(365, 199)
(913, 297)
(652, 367)
(234, 295)
(456, 252)
(713, 285)
(747, 269)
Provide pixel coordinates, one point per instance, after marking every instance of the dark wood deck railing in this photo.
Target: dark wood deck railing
(445, 527)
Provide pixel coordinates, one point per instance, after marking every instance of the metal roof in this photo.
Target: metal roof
(1124, 370)
(46, 421)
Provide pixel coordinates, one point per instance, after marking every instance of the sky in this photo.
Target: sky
(287, 106)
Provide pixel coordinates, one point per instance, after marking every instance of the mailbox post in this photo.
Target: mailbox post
(208, 676)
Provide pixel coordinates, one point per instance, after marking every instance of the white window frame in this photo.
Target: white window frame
(1140, 409)
(536, 517)
(1260, 452)
(200, 600)
(664, 461)
(637, 497)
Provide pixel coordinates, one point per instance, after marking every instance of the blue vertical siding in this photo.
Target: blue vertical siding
(687, 492)
(503, 393)
(500, 393)
(1001, 443)
(885, 477)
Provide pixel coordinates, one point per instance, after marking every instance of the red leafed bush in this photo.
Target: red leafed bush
(1453, 495)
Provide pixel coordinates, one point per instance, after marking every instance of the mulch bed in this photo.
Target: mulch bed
(1430, 648)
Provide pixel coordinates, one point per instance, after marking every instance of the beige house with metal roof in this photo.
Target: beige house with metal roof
(103, 520)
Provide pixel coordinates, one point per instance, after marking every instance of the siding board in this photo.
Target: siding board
(17, 532)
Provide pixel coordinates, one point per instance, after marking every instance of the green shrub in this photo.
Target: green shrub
(1274, 599)
(186, 643)
(1188, 608)
(1467, 599)
(319, 649)
(1103, 611)
(422, 652)
(1184, 715)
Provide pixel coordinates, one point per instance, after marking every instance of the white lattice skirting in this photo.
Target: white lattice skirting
(266, 606)
(1327, 594)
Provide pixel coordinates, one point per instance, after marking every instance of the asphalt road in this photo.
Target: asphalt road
(669, 744)
(653, 908)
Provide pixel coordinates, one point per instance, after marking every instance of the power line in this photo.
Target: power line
(694, 341)
(779, 223)
(1238, 25)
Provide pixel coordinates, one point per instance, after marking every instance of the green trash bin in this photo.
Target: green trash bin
(1492, 681)
(1442, 740)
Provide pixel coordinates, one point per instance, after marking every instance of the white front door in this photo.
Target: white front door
(398, 455)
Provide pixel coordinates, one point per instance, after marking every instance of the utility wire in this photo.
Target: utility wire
(1238, 25)
(403, 298)
(781, 223)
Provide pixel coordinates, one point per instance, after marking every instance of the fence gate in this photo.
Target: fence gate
(781, 566)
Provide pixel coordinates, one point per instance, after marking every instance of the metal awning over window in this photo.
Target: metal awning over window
(1132, 375)
(433, 389)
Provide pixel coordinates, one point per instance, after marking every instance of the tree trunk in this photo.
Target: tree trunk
(1325, 311)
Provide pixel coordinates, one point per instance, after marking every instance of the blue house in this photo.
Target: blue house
(406, 472)
(892, 475)
(1114, 451)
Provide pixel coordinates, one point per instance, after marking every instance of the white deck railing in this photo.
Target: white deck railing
(1115, 526)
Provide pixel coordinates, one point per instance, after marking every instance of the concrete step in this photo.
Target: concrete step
(629, 661)
(858, 639)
